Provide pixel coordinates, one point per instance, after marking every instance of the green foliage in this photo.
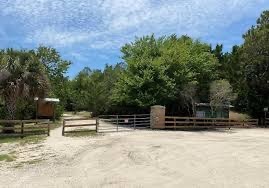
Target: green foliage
(171, 71)
(91, 89)
(158, 70)
(255, 58)
(246, 68)
(25, 108)
(22, 76)
(56, 69)
(59, 110)
(25, 74)
(2, 109)
(7, 158)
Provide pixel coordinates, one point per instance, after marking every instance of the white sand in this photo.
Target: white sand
(236, 158)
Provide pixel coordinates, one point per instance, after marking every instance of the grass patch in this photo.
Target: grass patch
(81, 113)
(7, 158)
(26, 140)
(81, 133)
(56, 124)
(38, 135)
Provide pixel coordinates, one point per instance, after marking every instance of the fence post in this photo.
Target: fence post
(48, 128)
(134, 121)
(174, 123)
(97, 124)
(63, 127)
(22, 129)
(117, 123)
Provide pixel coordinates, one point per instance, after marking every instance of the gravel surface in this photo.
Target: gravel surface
(203, 159)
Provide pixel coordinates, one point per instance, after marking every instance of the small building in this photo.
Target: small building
(45, 107)
(204, 110)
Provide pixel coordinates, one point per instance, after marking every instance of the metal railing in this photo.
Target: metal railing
(123, 122)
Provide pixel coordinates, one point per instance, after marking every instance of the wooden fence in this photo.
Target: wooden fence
(193, 122)
(75, 123)
(24, 127)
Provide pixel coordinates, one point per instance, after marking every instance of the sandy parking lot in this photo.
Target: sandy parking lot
(204, 159)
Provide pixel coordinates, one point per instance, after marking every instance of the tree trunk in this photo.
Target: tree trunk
(11, 113)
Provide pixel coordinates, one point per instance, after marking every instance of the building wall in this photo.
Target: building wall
(207, 113)
(45, 109)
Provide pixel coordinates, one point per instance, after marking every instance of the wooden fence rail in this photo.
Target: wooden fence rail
(85, 122)
(193, 122)
(24, 127)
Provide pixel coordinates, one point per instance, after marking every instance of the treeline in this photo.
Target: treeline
(173, 71)
(179, 71)
(170, 71)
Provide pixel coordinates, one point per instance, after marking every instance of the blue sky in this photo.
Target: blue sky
(91, 32)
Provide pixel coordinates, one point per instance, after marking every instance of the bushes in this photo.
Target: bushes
(2, 112)
(25, 109)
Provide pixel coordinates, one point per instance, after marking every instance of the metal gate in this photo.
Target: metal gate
(117, 123)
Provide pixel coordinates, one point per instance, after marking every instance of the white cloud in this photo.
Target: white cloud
(50, 36)
(110, 23)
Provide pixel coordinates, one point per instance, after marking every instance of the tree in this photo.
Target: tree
(189, 95)
(157, 70)
(21, 76)
(56, 69)
(91, 90)
(255, 58)
(221, 93)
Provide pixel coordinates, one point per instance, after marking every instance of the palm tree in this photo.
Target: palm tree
(21, 75)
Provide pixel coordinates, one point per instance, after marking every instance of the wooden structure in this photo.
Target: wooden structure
(204, 110)
(160, 121)
(45, 108)
(193, 122)
(75, 123)
(24, 127)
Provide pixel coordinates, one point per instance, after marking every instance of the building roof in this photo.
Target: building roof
(55, 100)
(207, 104)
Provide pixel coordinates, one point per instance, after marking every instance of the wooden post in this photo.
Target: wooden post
(53, 112)
(48, 128)
(36, 113)
(97, 124)
(117, 123)
(63, 127)
(22, 129)
(134, 121)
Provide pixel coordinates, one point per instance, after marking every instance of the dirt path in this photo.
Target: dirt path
(237, 158)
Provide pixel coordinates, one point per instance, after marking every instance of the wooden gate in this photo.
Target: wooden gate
(117, 123)
(75, 125)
